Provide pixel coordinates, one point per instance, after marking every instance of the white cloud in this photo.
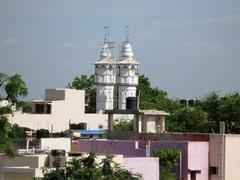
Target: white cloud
(10, 41)
(69, 45)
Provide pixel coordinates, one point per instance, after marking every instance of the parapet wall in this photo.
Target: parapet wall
(159, 136)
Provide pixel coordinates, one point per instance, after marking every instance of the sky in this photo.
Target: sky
(187, 48)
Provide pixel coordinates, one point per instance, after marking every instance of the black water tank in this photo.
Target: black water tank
(131, 103)
(79, 126)
(183, 102)
(236, 129)
(42, 133)
(191, 102)
(58, 152)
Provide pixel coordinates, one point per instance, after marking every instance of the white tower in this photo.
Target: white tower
(105, 79)
(127, 69)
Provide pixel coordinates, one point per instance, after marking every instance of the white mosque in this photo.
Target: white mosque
(111, 73)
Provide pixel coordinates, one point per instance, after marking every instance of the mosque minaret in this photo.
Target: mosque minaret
(127, 74)
(109, 74)
(105, 79)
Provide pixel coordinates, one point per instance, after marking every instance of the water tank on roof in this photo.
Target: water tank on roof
(183, 102)
(57, 158)
(79, 126)
(131, 103)
(42, 133)
(236, 129)
(57, 152)
(191, 102)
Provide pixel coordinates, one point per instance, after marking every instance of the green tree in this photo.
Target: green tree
(230, 110)
(188, 120)
(5, 131)
(168, 161)
(123, 125)
(211, 105)
(153, 97)
(13, 88)
(83, 82)
(86, 168)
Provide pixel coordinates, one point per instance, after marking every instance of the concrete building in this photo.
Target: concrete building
(151, 121)
(25, 167)
(224, 156)
(59, 108)
(194, 154)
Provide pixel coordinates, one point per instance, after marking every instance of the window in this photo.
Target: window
(49, 109)
(213, 170)
(39, 108)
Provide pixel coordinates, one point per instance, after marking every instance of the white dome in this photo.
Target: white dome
(105, 53)
(127, 50)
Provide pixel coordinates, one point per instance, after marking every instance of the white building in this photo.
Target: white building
(105, 79)
(109, 73)
(59, 108)
(127, 75)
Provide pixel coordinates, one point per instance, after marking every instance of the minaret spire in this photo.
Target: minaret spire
(106, 35)
(127, 48)
(127, 34)
(105, 52)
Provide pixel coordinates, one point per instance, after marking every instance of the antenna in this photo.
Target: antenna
(127, 33)
(111, 44)
(106, 35)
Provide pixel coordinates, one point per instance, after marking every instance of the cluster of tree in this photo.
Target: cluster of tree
(12, 87)
(86, 168)
(168, 163)
(209, 110)
(123, 125)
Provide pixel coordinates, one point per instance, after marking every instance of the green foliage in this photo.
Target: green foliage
(168, 176)
(168, 158)
(86, 168)
(211, 105)
(168, 161)
(18, 132)
(5, 110)
(26, 107)
(226, 109)
(13, 87)
(104, 136)
(83, 82)
(188, 120)
(123, 125)
(5, 131)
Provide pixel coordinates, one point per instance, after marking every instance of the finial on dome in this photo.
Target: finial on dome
(105, 52)
(106, 36)
(127, 34)
(127, 48)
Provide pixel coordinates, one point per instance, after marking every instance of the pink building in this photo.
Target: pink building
(194, 154)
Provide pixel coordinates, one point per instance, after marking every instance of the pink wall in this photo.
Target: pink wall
(198, 159)
(194, 154)
(148, 167)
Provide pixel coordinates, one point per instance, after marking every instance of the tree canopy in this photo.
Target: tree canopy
(86, 167)
(12, 87)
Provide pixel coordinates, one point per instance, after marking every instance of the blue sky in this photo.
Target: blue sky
(187, 48)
